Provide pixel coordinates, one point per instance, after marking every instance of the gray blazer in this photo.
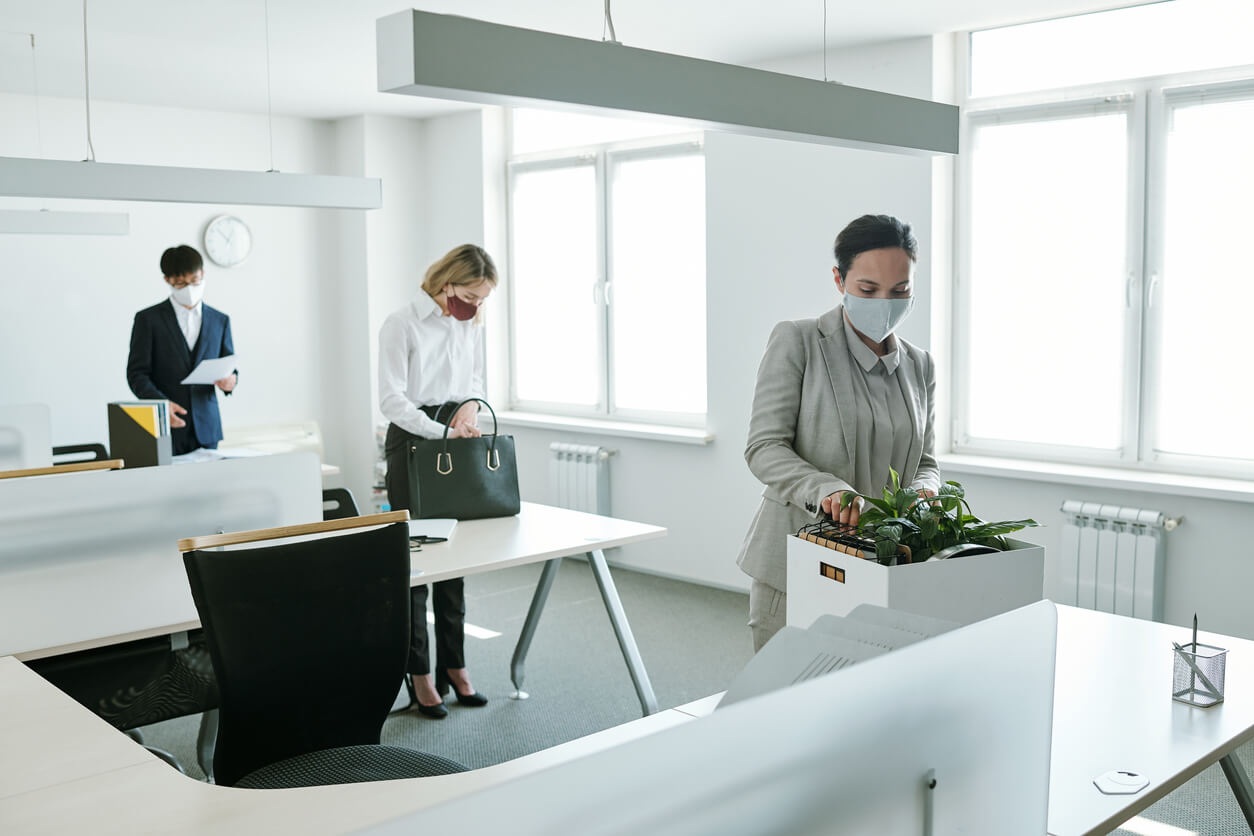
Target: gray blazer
(803, 430)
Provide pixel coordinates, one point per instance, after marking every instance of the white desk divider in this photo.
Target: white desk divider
(89, 558)
(25, 436)
(850, 752)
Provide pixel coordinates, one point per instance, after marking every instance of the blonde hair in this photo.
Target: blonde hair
(461, 267)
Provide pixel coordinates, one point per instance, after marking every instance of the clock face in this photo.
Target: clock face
(227, 240)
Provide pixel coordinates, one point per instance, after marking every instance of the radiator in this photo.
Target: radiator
(579, 477)
(1113, 559)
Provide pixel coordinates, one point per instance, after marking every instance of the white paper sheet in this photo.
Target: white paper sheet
(434, 527)
(210, 370)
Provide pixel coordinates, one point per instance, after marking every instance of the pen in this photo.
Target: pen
(1194, 632)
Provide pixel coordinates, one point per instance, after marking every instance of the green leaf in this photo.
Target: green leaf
(886, 507)
(902, 523)
(952, 489)
(996, 529)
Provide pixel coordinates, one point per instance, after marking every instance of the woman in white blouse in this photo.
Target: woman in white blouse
(839, 400)
(430, 360)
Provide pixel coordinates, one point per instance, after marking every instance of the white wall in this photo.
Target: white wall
(67, 302)
(773, 209)
(1209, 570)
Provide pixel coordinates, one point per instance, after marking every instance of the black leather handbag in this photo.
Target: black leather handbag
(463, 478)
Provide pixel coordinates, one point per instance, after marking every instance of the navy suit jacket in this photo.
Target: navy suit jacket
(159, 359)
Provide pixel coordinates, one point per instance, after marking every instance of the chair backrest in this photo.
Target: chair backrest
(338, 504)
(308, 641)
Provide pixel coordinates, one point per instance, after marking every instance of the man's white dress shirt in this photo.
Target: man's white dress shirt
(189, 321)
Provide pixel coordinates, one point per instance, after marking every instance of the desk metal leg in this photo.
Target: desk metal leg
(207, 741)
(538, 599)
(1240, 783)
(626, 641)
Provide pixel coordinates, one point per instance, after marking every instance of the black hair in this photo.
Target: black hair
(180, 261)
(872, 232)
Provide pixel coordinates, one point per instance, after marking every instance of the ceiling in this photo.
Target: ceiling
(212, 55)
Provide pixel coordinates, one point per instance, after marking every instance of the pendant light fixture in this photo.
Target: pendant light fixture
(47, 221)
(450, 57)
(24, 177)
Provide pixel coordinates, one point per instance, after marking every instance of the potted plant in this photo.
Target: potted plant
(903, 522)
(904, 538)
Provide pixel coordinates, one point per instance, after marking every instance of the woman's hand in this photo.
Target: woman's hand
(830, 505)
(465, 423)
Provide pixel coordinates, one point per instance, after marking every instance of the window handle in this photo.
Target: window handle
(609, 297)
(1153, 289)
(1130, 289)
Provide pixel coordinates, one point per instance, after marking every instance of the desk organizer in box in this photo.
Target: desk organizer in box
(824, 581)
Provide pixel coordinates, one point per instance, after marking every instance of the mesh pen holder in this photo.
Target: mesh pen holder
(1198, 674)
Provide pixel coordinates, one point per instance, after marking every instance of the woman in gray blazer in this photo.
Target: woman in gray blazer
(839, 401)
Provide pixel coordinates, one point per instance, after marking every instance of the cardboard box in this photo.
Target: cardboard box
(964, 589)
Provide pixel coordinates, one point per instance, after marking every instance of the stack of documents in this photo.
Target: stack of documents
(139, 432)
(210, 371)
(831, 643)
(152, 415)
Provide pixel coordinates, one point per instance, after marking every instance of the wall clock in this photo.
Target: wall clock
(228, 240)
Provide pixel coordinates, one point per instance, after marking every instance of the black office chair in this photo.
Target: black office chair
(331, 614)
(138, 683)
(72, 453)
(338, 504)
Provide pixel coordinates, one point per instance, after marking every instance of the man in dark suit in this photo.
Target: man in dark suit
(169, 339)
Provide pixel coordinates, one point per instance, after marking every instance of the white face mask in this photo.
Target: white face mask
(189, 296)
(877, 318)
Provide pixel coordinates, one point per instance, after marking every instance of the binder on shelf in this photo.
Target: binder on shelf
(139, 432)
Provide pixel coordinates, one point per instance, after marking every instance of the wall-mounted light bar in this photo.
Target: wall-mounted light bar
(22, 177)
(450, 57)
(56, 222)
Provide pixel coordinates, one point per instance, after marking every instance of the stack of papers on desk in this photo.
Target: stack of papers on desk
(831, 643)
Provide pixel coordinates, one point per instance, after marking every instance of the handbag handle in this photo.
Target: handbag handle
(494, 458)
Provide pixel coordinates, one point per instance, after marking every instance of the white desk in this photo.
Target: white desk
(538, 533)
(1113, 710)
(542, 532)
(65, 770)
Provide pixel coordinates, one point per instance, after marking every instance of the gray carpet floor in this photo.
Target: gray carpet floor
(693, 640)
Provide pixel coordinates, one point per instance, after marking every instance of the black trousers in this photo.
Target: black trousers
(449, 598)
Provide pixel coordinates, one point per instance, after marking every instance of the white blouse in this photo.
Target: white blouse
(427, 359)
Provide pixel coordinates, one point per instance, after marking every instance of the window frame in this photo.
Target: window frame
(602, 156)
(1175, 92)
(1149, 102)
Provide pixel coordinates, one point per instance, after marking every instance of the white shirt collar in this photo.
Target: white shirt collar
(425, 306)
(182, 312)
(865, 357)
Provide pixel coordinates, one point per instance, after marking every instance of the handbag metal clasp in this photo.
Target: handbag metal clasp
(494, 455)
(439, 459)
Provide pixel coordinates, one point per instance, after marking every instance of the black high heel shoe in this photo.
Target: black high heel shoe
(435, 712)
(443, 683)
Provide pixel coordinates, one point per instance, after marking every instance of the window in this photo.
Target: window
(1101, 295)
(607, 259)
